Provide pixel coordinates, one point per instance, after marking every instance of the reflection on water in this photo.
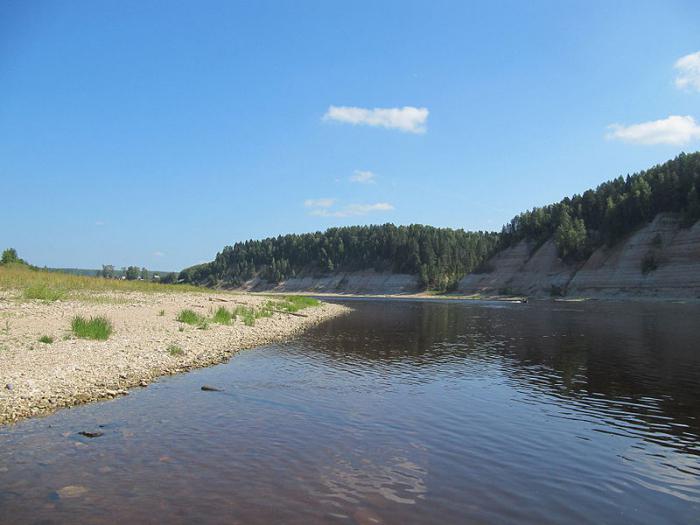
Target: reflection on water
(402, 412)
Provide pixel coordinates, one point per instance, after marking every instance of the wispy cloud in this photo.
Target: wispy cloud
(363, 177)
(408, 118)
(675, 130)
(158, 254)
(321, 208)
(319, 203)
(99, 223)
(688, 68)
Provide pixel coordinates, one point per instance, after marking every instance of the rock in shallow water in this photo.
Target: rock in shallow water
(208, 388)
(89, 434)
(71, 491)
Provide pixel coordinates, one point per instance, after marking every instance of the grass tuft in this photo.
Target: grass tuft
(294, 303)
(246, 314)
(43, 292)
(98, 328)
(222, 316)
(188, 316)
(47, 339)
(161, 313)
(175, 351)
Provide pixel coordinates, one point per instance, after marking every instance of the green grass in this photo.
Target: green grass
(175, 351)
(246, 314)
(161, 313)
(294, 303)
(47, 339)
(222, 316)
(98, 328)
(43, 292)
(31, 281)
(181, 329)
(188, 316)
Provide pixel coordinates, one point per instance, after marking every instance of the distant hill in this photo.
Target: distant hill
(634, 234)
(437, 257)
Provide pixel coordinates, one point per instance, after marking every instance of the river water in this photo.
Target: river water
(401, 412)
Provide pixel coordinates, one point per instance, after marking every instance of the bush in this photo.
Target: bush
(649, 263)
(98, 328)
(557, 291)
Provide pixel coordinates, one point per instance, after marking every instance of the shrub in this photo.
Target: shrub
(189, 317)
(649, 263)
(47, 339)
(98, 328)
(557, 291)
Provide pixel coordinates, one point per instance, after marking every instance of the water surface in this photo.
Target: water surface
(402, 412)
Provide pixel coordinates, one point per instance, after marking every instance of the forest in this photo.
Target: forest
(582, 223)
(439, 256)
(442, 256)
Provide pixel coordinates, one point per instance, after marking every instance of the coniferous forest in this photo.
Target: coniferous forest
(442, 256)
(585, 222)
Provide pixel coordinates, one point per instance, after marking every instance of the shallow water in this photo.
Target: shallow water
(402, 412)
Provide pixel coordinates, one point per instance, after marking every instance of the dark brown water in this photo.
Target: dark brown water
(403, 412)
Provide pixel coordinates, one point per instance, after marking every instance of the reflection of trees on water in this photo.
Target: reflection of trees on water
(624, 362)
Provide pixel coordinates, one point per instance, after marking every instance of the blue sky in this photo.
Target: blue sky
(155, 133)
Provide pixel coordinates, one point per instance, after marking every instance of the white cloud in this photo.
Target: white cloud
(363, 177)
(353, 210)
(407, 118)
(688, 72)
(676, 130)
(319, 203)
(158, 254)
(99, 223)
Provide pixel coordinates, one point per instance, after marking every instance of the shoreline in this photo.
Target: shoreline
(427, 296)
(37, 379)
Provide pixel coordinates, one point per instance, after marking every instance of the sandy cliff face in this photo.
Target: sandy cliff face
(367, 282)
(608, 272)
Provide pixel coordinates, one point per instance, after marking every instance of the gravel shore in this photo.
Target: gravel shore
(38, 378)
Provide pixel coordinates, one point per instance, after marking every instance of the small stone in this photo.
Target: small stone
(9, 386)
(71, 491)
(208, 388)
(89, 434)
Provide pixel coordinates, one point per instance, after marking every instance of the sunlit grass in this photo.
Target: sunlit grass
(222, 316)
(188, 316)
(175, 351)
(98, 328)
(46, 339)
(42, 284)
(43, 292)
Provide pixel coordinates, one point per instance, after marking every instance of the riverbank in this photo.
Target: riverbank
(147, 342)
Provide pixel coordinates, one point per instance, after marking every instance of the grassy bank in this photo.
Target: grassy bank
(53, 286)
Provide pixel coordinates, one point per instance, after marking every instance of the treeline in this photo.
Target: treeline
(133, 273)
(439, 256)
(584, 222)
